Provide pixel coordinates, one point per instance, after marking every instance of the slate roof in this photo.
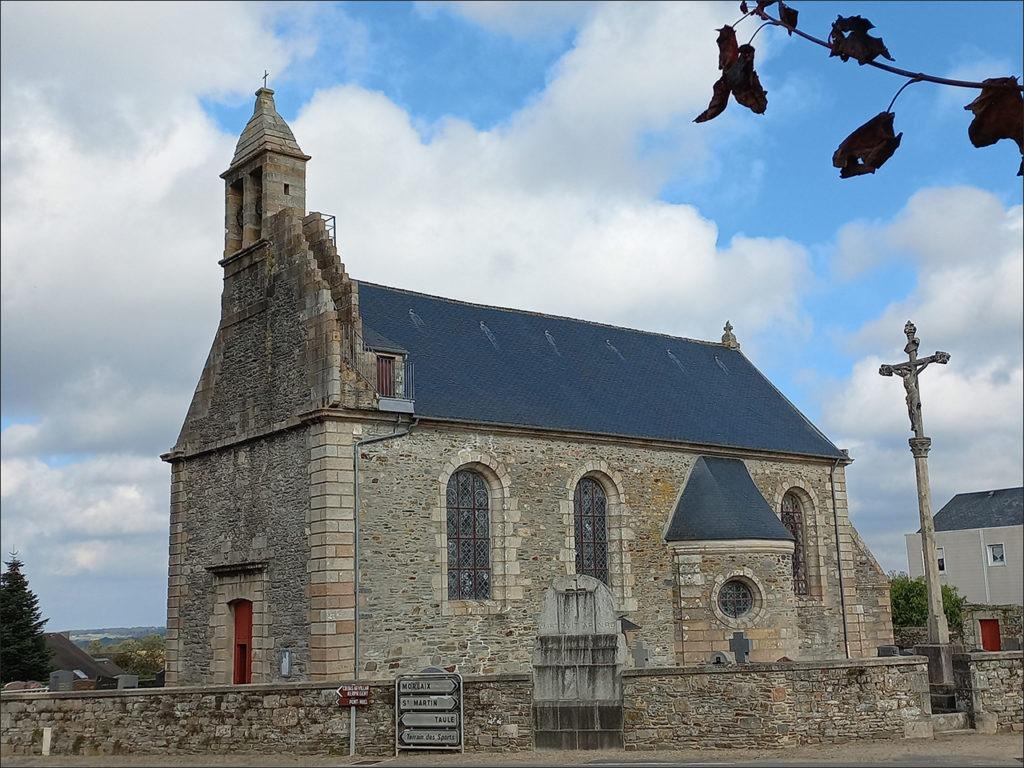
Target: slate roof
(720, 501)
(483, 364)
(266, 130)
(67, 655)
(982, 509)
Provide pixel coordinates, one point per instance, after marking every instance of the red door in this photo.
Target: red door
(243, 641)
(990, 634)
(386, 376)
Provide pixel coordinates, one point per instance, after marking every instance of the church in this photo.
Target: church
(371, 480)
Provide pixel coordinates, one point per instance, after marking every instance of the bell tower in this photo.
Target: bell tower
(267, 175)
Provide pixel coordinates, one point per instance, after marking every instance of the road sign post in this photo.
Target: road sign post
(428, 712)
(353, 695)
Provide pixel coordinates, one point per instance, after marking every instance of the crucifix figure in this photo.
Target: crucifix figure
(938, 629)
(265, 76)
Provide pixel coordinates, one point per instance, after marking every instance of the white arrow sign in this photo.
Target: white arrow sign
(435, 719)
(430, 737)
(427, 702)
(441, 685)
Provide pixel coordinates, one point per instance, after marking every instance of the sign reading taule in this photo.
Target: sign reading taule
(428, 711)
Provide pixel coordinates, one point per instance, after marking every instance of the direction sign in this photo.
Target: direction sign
(427, 702)
(447, 737)
(350, 695)
(428, 711)
(431, 719)
(430, 685)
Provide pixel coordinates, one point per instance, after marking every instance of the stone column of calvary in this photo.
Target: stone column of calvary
(938, 629)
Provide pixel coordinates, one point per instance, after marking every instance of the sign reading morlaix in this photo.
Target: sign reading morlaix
(428, 711)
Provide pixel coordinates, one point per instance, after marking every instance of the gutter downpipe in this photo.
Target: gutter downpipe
(355, 536)
(839, 556)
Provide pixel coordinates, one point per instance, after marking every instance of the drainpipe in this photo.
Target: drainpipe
(839, 555)
(355, 516)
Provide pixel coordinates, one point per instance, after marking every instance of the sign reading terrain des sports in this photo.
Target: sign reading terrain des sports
(428, 711)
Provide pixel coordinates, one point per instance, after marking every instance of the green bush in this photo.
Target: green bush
(910, 602)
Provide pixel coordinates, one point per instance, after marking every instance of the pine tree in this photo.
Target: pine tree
(23, 651)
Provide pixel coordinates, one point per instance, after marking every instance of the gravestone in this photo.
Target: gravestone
(127, 681)
(578, 659)
(740, 647)
(105, 683)
(62, 680)
(717, 657)
(641, 654)
(888, 650)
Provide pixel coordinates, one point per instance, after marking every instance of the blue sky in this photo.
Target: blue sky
(532, 155)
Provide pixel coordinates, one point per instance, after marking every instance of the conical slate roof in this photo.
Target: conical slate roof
(720, 501)
(266, 131)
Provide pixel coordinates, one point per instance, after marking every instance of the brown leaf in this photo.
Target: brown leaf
(998, 113)
(867, 148)
(728, 48)
(744, 82)
(858, 44)
(788, 16)
(719, 101)
(762, 4)
(743, 7)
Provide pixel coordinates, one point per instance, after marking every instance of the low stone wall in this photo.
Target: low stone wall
(990, 688)
(776, 705)
(300, 718)
(908, 637)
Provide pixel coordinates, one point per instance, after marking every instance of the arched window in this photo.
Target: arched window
(242, 610)
(590, 515)
(469, 537)
(793, 519)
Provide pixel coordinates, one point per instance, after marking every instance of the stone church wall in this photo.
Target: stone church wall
(408, 623)
(242, 514)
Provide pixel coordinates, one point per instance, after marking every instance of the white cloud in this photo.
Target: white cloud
(968, 251)
(518, 18)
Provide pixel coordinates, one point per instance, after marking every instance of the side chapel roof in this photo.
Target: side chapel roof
(483, 364)
(720, 501)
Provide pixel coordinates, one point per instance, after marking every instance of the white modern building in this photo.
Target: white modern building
(980, 546)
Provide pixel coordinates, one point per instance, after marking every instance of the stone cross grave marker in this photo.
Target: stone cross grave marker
(641, 654)
(740, 646)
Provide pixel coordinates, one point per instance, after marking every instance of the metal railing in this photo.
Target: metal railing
(331, 225)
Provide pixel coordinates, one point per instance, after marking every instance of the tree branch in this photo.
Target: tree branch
(915, 76)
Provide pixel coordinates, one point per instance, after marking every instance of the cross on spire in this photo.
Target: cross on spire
(265, 76)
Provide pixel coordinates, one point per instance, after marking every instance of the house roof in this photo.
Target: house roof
(982, 509)
(486, 364)
(67, 655)
(720, 501)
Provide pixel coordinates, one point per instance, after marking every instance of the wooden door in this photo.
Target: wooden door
(386, 376)
(990, 634)
(242, 610)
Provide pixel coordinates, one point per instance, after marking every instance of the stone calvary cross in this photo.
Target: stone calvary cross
(938, 629)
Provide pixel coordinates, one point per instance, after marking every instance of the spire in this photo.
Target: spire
(266, 131)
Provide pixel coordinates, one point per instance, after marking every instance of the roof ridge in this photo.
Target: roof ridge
(546, 315)
(990, 490)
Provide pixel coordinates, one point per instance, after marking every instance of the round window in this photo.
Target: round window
(735, 599)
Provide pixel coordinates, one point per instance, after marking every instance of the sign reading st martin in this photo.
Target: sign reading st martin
(428, 711)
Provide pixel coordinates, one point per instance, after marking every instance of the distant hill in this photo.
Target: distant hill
(111, 635)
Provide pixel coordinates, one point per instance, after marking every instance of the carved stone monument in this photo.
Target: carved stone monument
(577, 664)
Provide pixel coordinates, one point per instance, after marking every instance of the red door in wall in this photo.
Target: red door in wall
(243, 641)
(990, 635)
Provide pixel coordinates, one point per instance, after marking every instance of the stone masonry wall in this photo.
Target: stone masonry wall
(293, 718)
(245, 518)
(990, 688)
(775, 705)
(405, 623)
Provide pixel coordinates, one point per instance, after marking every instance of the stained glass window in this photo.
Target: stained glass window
(469, 538)
(793, 519)
(590, 507)
(735, 599)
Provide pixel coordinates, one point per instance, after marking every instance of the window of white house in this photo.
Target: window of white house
(996, 554)
(940, 555)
